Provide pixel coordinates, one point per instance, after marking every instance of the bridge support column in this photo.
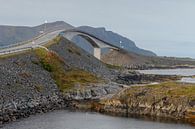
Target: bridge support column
(97, 53)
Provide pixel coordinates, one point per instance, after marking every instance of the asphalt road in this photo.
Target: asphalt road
(32, 44)
(43, 39)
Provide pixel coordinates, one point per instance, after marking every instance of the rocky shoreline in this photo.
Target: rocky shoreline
(165, 108)
(149, 67)
(134, 77)
(13, 110)
(100, 99)
(29, 86)
(81, 98)
(32, 107)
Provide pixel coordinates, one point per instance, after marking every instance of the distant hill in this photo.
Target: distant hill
(13, 34)
(113, 38)
(132, 60)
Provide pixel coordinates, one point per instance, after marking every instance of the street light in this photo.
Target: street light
(45, 26)
(120, 43)
(121, 46)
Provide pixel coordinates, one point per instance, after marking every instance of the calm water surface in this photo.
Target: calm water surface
(82, 120)
(182, 72)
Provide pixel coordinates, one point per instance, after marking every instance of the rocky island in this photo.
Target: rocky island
(61, 75)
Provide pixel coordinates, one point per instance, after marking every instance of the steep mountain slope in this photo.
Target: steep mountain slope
(113, 38)
(13, 34)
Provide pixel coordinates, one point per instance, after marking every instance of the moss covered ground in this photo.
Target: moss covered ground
(65, 78)
(169, 89)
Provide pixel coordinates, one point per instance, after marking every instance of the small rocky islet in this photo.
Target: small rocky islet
(66, 76)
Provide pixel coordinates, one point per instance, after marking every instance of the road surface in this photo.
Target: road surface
(30, 44)
(43, 39)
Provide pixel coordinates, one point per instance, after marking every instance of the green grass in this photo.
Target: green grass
(114, 66)
(168, 94)
(193, 76)
(65, 79)
(173, 90)
(49, 43)
(76, 77)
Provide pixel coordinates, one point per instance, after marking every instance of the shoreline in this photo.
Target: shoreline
(145, 67)
(11, 115)
(114, 114)
(84, 100)
(85, 105)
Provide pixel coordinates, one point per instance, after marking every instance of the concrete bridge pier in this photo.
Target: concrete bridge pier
(96, 43)
(97, 52)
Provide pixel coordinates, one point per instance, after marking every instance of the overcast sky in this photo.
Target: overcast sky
(166, 27)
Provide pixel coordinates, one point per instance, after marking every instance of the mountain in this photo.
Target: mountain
(12, 34)
(113, 38)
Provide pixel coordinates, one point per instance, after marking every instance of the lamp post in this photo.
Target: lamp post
(45, 27)
(121, 46)
(120, 43)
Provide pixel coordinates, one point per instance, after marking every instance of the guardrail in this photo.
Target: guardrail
(14, 50)
(28, 41)
(6, 52)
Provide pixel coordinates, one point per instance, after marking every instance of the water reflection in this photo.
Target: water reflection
(182, 72)
(82, 120)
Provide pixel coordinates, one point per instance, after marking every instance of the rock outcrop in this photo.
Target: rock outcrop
(93, 92)
(166, 101)
(27, 86)
(138, 78)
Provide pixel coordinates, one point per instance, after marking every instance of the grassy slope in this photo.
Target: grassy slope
(166, 100)
(65, 78)
(171, 89)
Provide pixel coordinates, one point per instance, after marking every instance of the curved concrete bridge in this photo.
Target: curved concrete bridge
(69, 34)
(97, 43)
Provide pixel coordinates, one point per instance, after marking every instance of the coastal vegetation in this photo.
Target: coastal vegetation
(66, 78)
(165, 100)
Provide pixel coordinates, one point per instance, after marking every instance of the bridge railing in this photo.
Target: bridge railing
(6, 52)
(28, 41)
(80, 31)
(21, 43)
